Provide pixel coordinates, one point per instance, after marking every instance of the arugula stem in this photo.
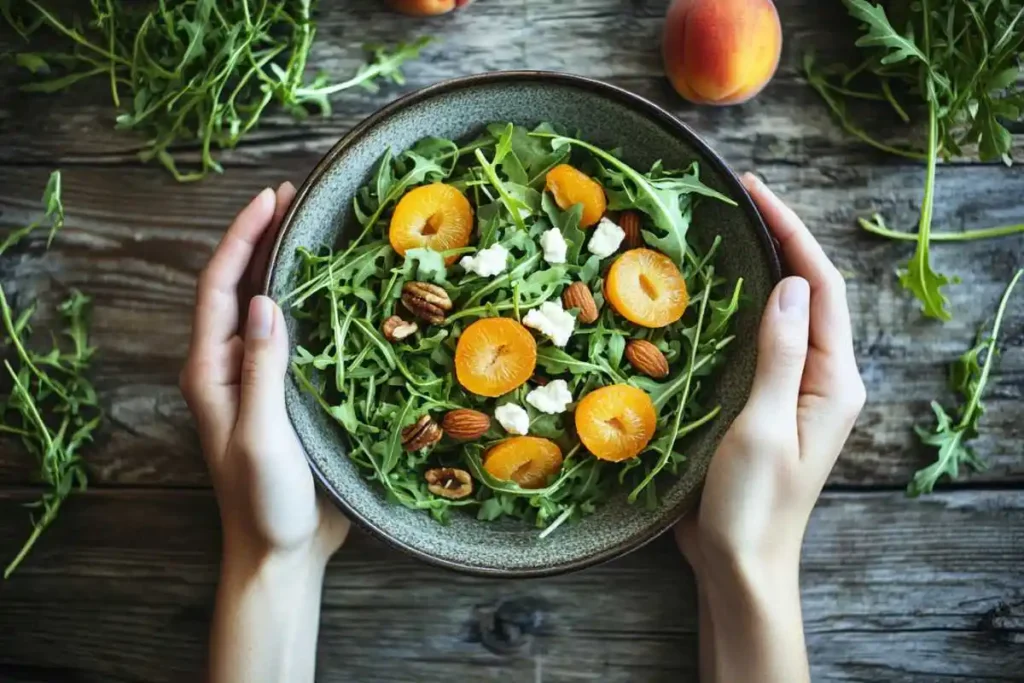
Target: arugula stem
(667, 452)
(38, 529)
(74, 35)
(990, 354)
(877, 227)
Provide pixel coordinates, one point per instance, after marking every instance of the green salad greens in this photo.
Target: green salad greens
(48, 402)
(374, 388)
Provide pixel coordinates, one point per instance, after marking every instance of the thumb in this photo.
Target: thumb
(782, 346)
(265, 363)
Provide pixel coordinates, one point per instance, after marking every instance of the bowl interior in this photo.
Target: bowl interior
(605, 116)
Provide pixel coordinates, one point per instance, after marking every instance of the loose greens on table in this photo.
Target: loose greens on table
(50, 405)
(187, 73)
(961, 60)
(374, 388)
(968, 377)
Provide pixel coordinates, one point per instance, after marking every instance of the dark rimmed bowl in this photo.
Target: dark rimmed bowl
(605, 115)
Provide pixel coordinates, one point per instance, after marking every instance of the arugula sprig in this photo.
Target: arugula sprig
(195, 73)
(961, 60)
(372, 388)
(51, 406)
(968, 376)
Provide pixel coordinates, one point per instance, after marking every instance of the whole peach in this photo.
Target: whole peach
(427, 8)
(721, 51)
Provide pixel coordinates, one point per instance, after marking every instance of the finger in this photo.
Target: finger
(216, 316)
(264, 365)
(830, 313)
(258, 266)
(782, 351)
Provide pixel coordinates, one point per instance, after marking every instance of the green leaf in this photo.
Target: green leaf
(950, 436)
(426, 265)
(33, 62)
(881, 34)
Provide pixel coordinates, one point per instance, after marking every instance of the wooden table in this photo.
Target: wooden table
(120, 588)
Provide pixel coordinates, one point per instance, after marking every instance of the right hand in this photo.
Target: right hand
(771, 466)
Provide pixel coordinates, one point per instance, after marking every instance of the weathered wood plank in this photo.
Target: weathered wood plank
(606, 39)
(136, 240)
(894, 590)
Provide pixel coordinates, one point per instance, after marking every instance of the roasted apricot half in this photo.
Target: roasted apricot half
(570, 186)
(494, 356)
(616, 423)
(435, 216)
(527, 460)
(646, 288)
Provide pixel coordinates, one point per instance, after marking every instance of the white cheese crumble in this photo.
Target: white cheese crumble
(513, 418)
(606, 238)
(554, 246)
(552, 320)
(487, 262)
(552, 398)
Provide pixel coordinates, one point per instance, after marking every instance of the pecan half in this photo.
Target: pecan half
(449, 482)
(629, 221)
(395, 329)
(647, 358)
(577, 295)
(424, 432)
(426, 301)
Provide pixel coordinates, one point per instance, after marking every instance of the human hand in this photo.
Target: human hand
(744, 541)
(773, 462)
(233, 382)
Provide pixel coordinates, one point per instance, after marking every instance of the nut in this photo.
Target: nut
(426, 301)
(449, 482)
(539, 380)
(577, 295)
(465, 424)
(424, 432)
(395, 329)
(646, 358)
(629, 221)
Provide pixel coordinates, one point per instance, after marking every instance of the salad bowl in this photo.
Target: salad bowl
(640, 133)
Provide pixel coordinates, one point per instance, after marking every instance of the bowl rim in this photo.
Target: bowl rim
(621, 95)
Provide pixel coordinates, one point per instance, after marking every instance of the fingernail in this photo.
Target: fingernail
(266, 198)
(261, 318)
(795, 296)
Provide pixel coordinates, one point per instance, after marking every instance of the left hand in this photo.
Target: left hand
(233, 382)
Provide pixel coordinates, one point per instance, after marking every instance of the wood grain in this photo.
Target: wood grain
(893, 590)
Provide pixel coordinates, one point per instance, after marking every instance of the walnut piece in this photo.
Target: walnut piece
(427, 301)
(395, 329)
(449, 482)
(424, 432)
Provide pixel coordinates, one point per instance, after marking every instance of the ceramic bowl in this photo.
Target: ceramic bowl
(459, 109)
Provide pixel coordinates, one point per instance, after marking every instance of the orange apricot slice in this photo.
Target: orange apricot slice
(494, 356)
(570, 186)
(616, 423)
(435, 216)
(527, 460)
(645, 287)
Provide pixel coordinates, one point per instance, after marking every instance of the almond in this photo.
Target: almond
(577, 295)
(629, 221)
(646, 358)
(465, 424)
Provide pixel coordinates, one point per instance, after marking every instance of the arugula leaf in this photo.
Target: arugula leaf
(52, 406)
(962, 61)
(198, 73)
(950, 436)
